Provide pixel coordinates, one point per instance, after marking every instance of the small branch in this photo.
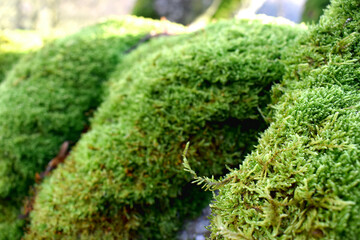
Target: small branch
(208, 183)
(146, 39)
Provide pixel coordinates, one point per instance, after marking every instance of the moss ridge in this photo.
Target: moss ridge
(301, 182)
(49, 96)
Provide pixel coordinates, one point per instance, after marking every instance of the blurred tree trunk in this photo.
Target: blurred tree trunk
(186, 11)
(46, 14)
(54, 6)
(19, 15)
(181, 11)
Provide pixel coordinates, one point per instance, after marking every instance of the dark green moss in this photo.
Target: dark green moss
(48, 98)
(302, 181)
(145, 8)
(124, 179)
(313, 9)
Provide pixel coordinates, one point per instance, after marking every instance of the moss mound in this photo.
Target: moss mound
(49, 95)
(302, 181)
(313, 10)
(14, 44)
(124, 178)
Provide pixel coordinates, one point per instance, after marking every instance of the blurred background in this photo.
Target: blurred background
(69, 15)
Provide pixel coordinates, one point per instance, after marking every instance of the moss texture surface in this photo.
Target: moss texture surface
(124, 179)
(302, 181)
(48, 97)
(14, 44)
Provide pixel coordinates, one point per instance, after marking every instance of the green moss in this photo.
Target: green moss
(145, 8)
(14, 44)
(10, 225)
(227, 9)
(49, 95)
(313, 9)
(302, 181)
(124, 179)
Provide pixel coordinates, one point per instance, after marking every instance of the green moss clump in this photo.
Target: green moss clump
(14, 44)
(302, 181)
(48, 98)
(313, 10)
(124, 178)
(145, 8)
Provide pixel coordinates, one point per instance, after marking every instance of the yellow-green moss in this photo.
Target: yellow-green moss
(227, 9)
(302, 181)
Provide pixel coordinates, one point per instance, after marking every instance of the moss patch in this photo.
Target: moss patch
(313, 10)
(227, 9)
(302, 181)
(145, 8)
(124, 179)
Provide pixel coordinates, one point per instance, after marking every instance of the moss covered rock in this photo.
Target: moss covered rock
(302, 181)
(48, 97)
(14, 44)
(124, 178)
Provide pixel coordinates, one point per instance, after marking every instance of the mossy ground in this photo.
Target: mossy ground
(124, 179)
(302, 181)
(48, 98)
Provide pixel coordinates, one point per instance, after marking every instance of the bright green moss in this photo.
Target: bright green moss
(124, 178)
(48, 97)
(313, 10)
(302, 181)
(14, 44)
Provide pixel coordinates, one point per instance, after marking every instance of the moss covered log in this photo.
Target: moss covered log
(302, 181)
(48, 98)
(14, 44)
(124, 179)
